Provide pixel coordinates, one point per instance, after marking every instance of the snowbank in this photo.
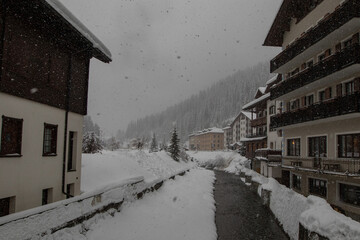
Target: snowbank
(108, 167)
(218, 159)
(314, 213)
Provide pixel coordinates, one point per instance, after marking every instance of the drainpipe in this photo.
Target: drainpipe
(2, 37)
(67, 109)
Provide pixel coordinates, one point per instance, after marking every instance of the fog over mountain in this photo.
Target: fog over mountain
(215, 106)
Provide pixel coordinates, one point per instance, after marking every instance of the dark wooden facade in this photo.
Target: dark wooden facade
(42, 58)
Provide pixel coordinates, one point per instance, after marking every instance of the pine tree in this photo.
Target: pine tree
(153, 144)
(174, 146)
(91, 143)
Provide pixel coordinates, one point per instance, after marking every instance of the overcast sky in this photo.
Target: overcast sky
(166, 50)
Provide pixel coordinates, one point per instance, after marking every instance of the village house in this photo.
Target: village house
(211, 139)
(228, 138)
(320, 89)
(45, 54)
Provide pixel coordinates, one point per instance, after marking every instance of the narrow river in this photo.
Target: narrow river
(239, 212)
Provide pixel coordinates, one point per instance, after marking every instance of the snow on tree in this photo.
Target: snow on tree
(174, 148)
(91, 143)
(153, 144)
(113, 144)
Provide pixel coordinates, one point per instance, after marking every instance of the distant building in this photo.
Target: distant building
(45, 55)
(320, 89)
(228, 137)
(211, 139)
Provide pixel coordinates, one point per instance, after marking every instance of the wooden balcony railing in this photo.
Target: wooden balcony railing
(340, 165)
(339, 61)
(257, 135)
(258, 122)
(331, 108)
(342, 15)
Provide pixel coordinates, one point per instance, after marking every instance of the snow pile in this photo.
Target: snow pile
(314, 213)
(322, 219)
(218, 159)
(110, 167)
(183, 208)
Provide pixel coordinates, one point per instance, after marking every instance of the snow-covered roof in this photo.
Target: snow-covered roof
(248, 114)
(252, 139)
(271, 80)
(256, 101)
(226, 128)
(103, 52)
(210, 130)
(262, 89)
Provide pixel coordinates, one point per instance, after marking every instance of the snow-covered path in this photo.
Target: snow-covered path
(182, 209)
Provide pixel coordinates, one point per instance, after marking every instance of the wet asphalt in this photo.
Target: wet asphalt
(240, 214)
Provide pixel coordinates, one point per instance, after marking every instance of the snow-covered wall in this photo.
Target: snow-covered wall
(53, 217)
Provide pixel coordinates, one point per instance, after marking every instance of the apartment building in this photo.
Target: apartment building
(43, 98)
(320, 89)
(228, 137)
(211, 139)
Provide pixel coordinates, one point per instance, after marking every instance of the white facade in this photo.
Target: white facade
(23, 178)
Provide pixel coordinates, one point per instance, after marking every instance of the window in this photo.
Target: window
(349, 88)
(321, 57)
(350, 194)
(309, 63)
(50, 140)
(70, 188)
(296, 181)
(11, 136)
(46, 196)
(348, 43)
(293, 147)
(294, 104)
(321, 96)
(317, 187)
(296, 71)
(272, 109)
(72, 151)
(349, 146)
(309, 100)
(317, 146)
(4, 207)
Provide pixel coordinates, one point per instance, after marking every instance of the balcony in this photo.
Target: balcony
(342, 15)
(258, 122)
(340, 165)
(269, 155)
(339, 61)
(331, 108)
(257, 135)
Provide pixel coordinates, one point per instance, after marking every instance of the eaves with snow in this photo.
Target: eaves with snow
(99, 50)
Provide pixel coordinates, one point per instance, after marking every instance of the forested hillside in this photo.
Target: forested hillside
(212, 107)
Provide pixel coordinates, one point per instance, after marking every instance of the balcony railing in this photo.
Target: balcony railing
(330, 65)
(269, 154)
(331, 108)
(340, 165)
(342, 15)
(257, 135)
(258, 122)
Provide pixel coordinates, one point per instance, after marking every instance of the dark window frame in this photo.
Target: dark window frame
(7, 135)
(348, 145)
(318, 187)
(349, 194)
(296, 182)
(50, 140)
(293, 147)
(321, 141)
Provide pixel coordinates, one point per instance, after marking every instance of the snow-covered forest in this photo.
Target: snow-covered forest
(212, 107)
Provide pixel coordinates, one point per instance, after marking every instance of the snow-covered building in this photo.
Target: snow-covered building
(320, 88)
(45, 54)
(228, 138)
(211, 139)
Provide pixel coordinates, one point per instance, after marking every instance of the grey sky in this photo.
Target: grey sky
(166, 50)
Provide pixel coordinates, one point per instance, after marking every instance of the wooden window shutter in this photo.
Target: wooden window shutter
(338, 47)
(328, 52)
(339, 90)
(303, 101)
(357, 84)
(303, 66)
(355, 38)
(328, 93)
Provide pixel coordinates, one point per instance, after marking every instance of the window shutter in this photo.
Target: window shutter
(355, 38)
(338, 47)
(328, 93)
(339, 90)
(303, 101)
(328, 53)
(357, 84)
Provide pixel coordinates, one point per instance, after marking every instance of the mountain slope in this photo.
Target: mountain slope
(212, 107)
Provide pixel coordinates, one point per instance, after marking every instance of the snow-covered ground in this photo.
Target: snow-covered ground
(182, 209)
(101, 169)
